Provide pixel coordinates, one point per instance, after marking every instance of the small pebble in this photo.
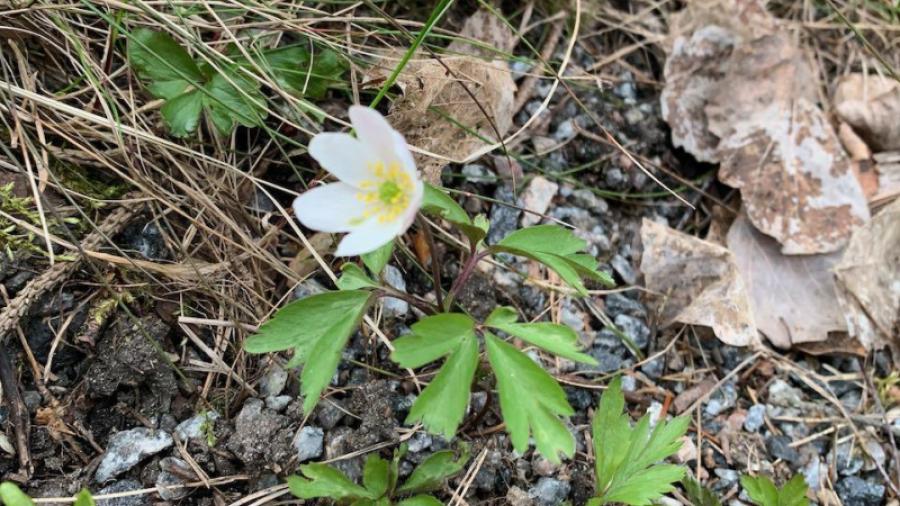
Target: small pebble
(393, 307)
(128, 447)
(756, 417)
(855, 491)
(549, 492)
(537, 198)
(309, 443)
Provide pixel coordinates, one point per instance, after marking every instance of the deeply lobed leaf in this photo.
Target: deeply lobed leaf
(558, 249)
(530, 400)
(764, 493)
(627, 465)
(316, 326)
(432, 472)
(324, 481)
(558, 339)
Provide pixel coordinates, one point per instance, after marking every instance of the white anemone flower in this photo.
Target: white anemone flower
(378, 192)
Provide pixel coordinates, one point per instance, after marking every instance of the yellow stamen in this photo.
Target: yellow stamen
(387, 195)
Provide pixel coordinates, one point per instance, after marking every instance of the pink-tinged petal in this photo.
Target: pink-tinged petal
(368, 237)
(329, 208)
(375, 132)
(344, 156)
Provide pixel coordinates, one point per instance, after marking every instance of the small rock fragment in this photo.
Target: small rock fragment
(309, 443)
(755, 418)
(634, 328)
(278, 402)
(536, 198)
(855, 491)
(273, 382)
(118, 487)
(127, 448)
(197, 426)
(394, 308)
(624, 269)
(722, 399)
(779, 448)
(784, 395)
(549, 492)
(173, 473)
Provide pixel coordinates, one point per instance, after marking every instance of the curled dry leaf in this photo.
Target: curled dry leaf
(700, 281)
(793, 298)
(437, 114)
(869, 280)
(744, 96)
(871, 105)
(747, 287)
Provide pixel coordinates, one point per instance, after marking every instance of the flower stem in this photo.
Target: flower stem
(435, 262)
(467, 270)
(424, 306)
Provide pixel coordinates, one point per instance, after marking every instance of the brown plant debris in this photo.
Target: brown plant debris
(701, 283)
(794, 298)
(871, 105)
(745, 98)
(869, 280)
(434, 91)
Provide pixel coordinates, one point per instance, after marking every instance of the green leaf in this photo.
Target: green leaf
(156, 57)
(557, 339)
(84, 498)
(352, 278)
(231, 98)
(698, 494)
(531, 401)
(442, 405)
(627, 459)
(376, 260)
(420, 500)
(438, 203)
(325, 481)
(377, 475)
(12, 495)
(432, 472)
(793, 493)
(760, 489)
(432, 338)
(303, 73)
(182, 113)
(764, 493)
(543, 238)
(316, 326)
(557, 248)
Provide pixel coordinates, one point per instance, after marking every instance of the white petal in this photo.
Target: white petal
(344, 156)
(329, 208)
(368, 237)
(375, 132)
(415, 202)
(401, 148)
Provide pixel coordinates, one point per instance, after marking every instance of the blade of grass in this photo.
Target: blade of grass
(435, 16)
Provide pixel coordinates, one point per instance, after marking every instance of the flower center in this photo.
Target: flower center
(387, 194)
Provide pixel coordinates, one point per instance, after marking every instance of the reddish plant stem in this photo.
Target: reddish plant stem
(468, 269)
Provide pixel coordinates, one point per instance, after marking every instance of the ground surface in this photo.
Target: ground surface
(143, 361)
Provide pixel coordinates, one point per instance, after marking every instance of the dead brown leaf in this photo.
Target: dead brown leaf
(793, 298)
(437, 112)
(688, 397)
(745, 97)
(871, 105)
(700, 281)
(869, 280)
(796, 183)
